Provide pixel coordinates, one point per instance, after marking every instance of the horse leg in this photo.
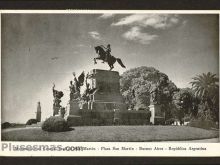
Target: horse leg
(103, 60)
(97, 58)
(111, 66)
(113, 60)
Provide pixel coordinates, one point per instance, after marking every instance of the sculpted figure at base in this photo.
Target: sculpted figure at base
(158, 88)
(72, 90)
(154, 94)
(57, 96)
(57, 99)
(87, 93)
(75, 88)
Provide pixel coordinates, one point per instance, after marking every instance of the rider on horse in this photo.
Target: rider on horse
(108, 51)
(105, 56)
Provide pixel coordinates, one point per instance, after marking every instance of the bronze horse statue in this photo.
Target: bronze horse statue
(111, 59)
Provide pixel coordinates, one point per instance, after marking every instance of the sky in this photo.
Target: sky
(41, 49)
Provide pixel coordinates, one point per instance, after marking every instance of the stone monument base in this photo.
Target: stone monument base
(106, 106)
(74, 107)
(157, 116)
(74, 120)
(56, 110)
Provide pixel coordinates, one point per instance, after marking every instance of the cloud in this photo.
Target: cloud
(140, 22)
(106, 16)
(157, 21)
(95, 35)
(135, 34)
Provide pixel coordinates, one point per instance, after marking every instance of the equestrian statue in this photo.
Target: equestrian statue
(104, 54)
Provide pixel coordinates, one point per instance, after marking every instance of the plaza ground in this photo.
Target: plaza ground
(112, 134)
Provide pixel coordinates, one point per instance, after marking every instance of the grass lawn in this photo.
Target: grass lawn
(111, 134)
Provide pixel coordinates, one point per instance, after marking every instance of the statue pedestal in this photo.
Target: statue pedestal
(105, 99)
(56, 110)
(108, 96)
(107, 85)
(73, 118)
(74, 107)
(157, 116)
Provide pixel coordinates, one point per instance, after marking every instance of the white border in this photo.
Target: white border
(111, 11)
(212, 149)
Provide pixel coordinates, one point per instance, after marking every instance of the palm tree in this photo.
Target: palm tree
(205, 87)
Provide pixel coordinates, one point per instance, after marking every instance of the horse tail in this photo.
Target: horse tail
(120, 62)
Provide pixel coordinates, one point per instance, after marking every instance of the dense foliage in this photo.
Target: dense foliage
(55, 124)
(185, 104)
(31, 121)
(199, 102)
(5, 125)
(137, 84)
(206, 89)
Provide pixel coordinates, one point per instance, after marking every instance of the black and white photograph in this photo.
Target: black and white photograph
(110, 77)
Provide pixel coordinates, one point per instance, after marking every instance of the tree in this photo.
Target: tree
(184, 104)
(6, 125)
(136, 87)
(31, 121)
(206, 88)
